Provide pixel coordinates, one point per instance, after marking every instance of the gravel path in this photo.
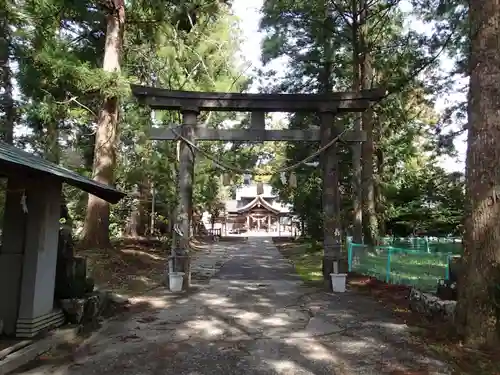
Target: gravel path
(258, 259)
(254, 317)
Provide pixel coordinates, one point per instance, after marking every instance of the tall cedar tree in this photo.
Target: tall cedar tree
(96, 231)
(479, 289)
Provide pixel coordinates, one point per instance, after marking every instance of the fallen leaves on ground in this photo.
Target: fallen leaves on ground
(438, 338)
(132, 266)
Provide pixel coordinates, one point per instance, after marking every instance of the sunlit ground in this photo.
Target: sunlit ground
(255, 317)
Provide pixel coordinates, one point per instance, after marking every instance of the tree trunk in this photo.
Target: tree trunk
(370, 225)
(52, 153)
(96, 230)
(356, 148)
(52, 150)
(136, 225)
(370, 222)
(379, 196)
(6, 98)
(133, 224)
(478, 308)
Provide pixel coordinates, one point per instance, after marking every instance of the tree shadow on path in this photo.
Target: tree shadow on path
(271, 324)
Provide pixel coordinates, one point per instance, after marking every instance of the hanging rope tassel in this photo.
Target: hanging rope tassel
(292, 181)
(24, 206)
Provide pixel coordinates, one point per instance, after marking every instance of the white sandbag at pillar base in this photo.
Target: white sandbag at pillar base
(338, 282)
(176, 281)
(338, 279)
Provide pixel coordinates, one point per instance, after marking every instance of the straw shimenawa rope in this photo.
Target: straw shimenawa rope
(254, 173)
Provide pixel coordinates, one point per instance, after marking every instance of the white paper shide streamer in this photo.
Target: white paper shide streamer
(24, 206)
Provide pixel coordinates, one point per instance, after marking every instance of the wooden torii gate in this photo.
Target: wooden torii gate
(328, 106)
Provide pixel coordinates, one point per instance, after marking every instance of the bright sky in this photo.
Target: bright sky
(249, 13)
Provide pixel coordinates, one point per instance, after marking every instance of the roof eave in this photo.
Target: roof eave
(252, 204)
(15, 160)
(108, 194)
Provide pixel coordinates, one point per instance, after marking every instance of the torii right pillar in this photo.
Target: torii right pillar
(332, 237)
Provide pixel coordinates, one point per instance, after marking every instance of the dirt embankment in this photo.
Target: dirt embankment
(133, 265)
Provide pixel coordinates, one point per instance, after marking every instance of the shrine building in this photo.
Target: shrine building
(256, 209)
(30, 236)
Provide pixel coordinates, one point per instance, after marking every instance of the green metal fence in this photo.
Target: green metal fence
(425, 244)
(417, 268)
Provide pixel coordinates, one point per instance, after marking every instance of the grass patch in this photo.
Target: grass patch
(418, 269)
(306, 257)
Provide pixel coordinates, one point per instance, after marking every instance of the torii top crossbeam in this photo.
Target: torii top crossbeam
(337, 102)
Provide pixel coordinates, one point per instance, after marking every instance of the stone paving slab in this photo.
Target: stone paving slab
(207, 263)
(236, 325)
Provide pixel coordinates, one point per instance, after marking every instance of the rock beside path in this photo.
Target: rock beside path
(91, 306)
(431, 306)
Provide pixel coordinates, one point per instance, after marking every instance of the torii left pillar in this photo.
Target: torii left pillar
(185, 181)
(332, 240)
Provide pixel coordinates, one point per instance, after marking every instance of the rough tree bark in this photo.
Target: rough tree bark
(6, 98)
(136, 225)
(379, 196)
(370, 222)
(52, 150)
(96, 229)
(370, 225)
(52, 153)
(478, 308)
(356, 148)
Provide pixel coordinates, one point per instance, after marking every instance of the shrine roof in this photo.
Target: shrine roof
(250, 191)
(258, 201)
(27, 163)
(231, 206)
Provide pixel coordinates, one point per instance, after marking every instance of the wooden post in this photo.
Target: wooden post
(332, 241)
(186, 178)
